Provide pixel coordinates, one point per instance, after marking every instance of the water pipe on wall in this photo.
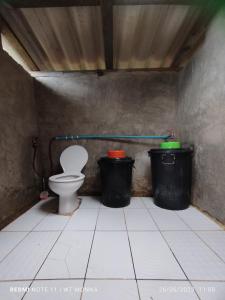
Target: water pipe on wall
(100, 137)
(108, 136)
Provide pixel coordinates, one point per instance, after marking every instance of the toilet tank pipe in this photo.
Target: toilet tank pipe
(109, 136)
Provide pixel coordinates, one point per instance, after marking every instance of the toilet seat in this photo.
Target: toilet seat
(73, 159)
(67, 177)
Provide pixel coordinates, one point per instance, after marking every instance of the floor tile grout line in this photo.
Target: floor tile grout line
(173, 254)
(208, 246)
(50, 230)
(195, 232)
(105, 230)
(28, 232)
(48, 214)
(32, 280)
(146, 205)
(117, 278)
(61, 232)
(208, 217)
(39, 222)
(168, 246)
(89, 256)
(129, 244)
(92, 242)
(194, 290)
(176, 212)
(115, 212)
(202, 214)
(132, 258)
(191, 230)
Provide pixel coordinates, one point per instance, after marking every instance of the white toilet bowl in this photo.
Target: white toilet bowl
(66, 184)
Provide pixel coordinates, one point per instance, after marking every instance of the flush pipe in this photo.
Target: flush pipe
(101, 137)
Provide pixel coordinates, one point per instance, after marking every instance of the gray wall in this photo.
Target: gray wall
(18, 185)
(117, 103)
(201, 115)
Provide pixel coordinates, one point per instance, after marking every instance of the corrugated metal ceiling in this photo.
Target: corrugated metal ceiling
(71, 38)
(149, 36)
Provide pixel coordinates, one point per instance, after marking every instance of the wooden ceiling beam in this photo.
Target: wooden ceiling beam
(107, 24)
(1, 25)
(18, 47)
(50, 3)
(66, 3)
(158, 2)
(103, 72)
(16, 22)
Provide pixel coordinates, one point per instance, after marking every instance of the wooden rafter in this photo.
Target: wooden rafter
(50, 3)
(107, 24)
(25, 36)
(11, 38)
(73, 73)
(0, 32)
(158, 2)
(64, 3)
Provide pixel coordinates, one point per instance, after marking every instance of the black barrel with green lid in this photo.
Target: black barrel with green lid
(171, 177)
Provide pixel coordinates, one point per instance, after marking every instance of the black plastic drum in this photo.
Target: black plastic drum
(171, 177)
(116, 177)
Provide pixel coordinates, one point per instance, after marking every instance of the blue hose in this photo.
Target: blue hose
(99, 137)
(108, 136)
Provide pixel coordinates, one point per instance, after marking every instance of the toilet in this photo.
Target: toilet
(73, 159)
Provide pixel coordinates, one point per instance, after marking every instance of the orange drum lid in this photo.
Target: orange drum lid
(116, 154)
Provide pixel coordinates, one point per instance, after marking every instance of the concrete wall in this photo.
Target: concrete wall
(201, 114)
(18, 185)
(117, 103)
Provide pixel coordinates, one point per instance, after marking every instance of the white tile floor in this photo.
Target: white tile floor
(140, 252)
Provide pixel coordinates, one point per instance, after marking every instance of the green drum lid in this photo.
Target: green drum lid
(170, 145)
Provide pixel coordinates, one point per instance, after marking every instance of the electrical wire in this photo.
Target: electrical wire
(35, 150)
